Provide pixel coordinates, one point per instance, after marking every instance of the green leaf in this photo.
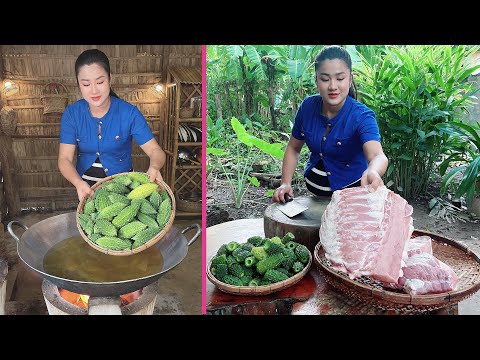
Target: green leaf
(409, 82)
(421, 133)
(405, 157)
(242, 134)
(448, 178)
(214, 151)
(269, 193)
(235, 51)
(469, 177)
(254, 181)
(271, 149)
(432, 203)
(296, 68)
(446, 163)
(390, 169)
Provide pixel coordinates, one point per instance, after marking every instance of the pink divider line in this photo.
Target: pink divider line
(204, 178)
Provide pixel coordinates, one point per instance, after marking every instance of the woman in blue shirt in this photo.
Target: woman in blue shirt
(101, 128)
(341, 133)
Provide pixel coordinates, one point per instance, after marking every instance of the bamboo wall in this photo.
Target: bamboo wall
(35, 142)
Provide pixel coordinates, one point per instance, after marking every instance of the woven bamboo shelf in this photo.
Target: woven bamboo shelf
(183, 84)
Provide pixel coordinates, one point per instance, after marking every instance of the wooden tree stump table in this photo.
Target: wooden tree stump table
(305, 226)
(310, 296)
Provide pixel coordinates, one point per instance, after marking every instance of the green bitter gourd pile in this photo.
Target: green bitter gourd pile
(259, 261)
(125, 212)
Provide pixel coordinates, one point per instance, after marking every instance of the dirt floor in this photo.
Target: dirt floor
(179, 291)
(221, 208)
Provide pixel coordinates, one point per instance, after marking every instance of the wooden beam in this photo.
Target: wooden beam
(67, 56)
(49, 77)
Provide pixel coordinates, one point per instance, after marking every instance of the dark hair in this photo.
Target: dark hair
(93, 56)
(336, 52)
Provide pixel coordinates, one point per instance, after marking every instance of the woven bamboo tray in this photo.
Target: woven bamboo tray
(151, 242)
(464, 262)
(54, 98)
(258, 290)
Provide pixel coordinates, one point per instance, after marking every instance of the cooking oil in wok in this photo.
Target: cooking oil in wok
(74, 259)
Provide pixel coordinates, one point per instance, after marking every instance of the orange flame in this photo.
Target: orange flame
(81, 300)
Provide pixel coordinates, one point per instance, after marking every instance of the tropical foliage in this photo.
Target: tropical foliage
(420, 95)
(412, 89)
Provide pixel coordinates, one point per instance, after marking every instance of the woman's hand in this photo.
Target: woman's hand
(83, 189)
(154, 174)
(279, 194)
(377, 165)
(371, 178)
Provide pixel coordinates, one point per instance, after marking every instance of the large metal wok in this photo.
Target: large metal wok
(37, 240)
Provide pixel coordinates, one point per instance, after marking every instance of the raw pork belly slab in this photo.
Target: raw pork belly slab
(418, 245)
(425, 274)
(364, 233)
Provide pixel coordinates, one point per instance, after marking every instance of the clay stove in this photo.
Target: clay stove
(63, 302)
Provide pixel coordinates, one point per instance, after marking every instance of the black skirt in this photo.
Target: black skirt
(317, 181)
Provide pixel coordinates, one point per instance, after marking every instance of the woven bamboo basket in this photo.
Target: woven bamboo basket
(367, 290)
(54, 98)
(258, 290)
(151, 242)
(189, 202)
(8, 121)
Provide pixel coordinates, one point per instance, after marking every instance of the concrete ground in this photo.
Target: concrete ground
(179, 290)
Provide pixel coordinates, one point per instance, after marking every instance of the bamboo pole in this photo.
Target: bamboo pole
(7, 159)
(3, 280)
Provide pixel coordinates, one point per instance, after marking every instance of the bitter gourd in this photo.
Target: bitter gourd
(288, 237)
(147, 208)
(270, 262)
(113, 243)
(219, 270)
(155, 199)
(111, 211)
(131, 229)
(255, 240)
(303, 254)
(117, 188)
(142, 178)
(259, 252)
(275, 276)
(104, 227)
(123, 179)
(144, 236)
(101, 199)
(147, 220)
(114, 197)
(89, 206)
(232, 280)
(142, 191)
(297, 267)
(271, 247)
(126, 215)
(164, 213)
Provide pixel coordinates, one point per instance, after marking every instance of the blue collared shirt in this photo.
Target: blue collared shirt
(122, 123)
(341, 151)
